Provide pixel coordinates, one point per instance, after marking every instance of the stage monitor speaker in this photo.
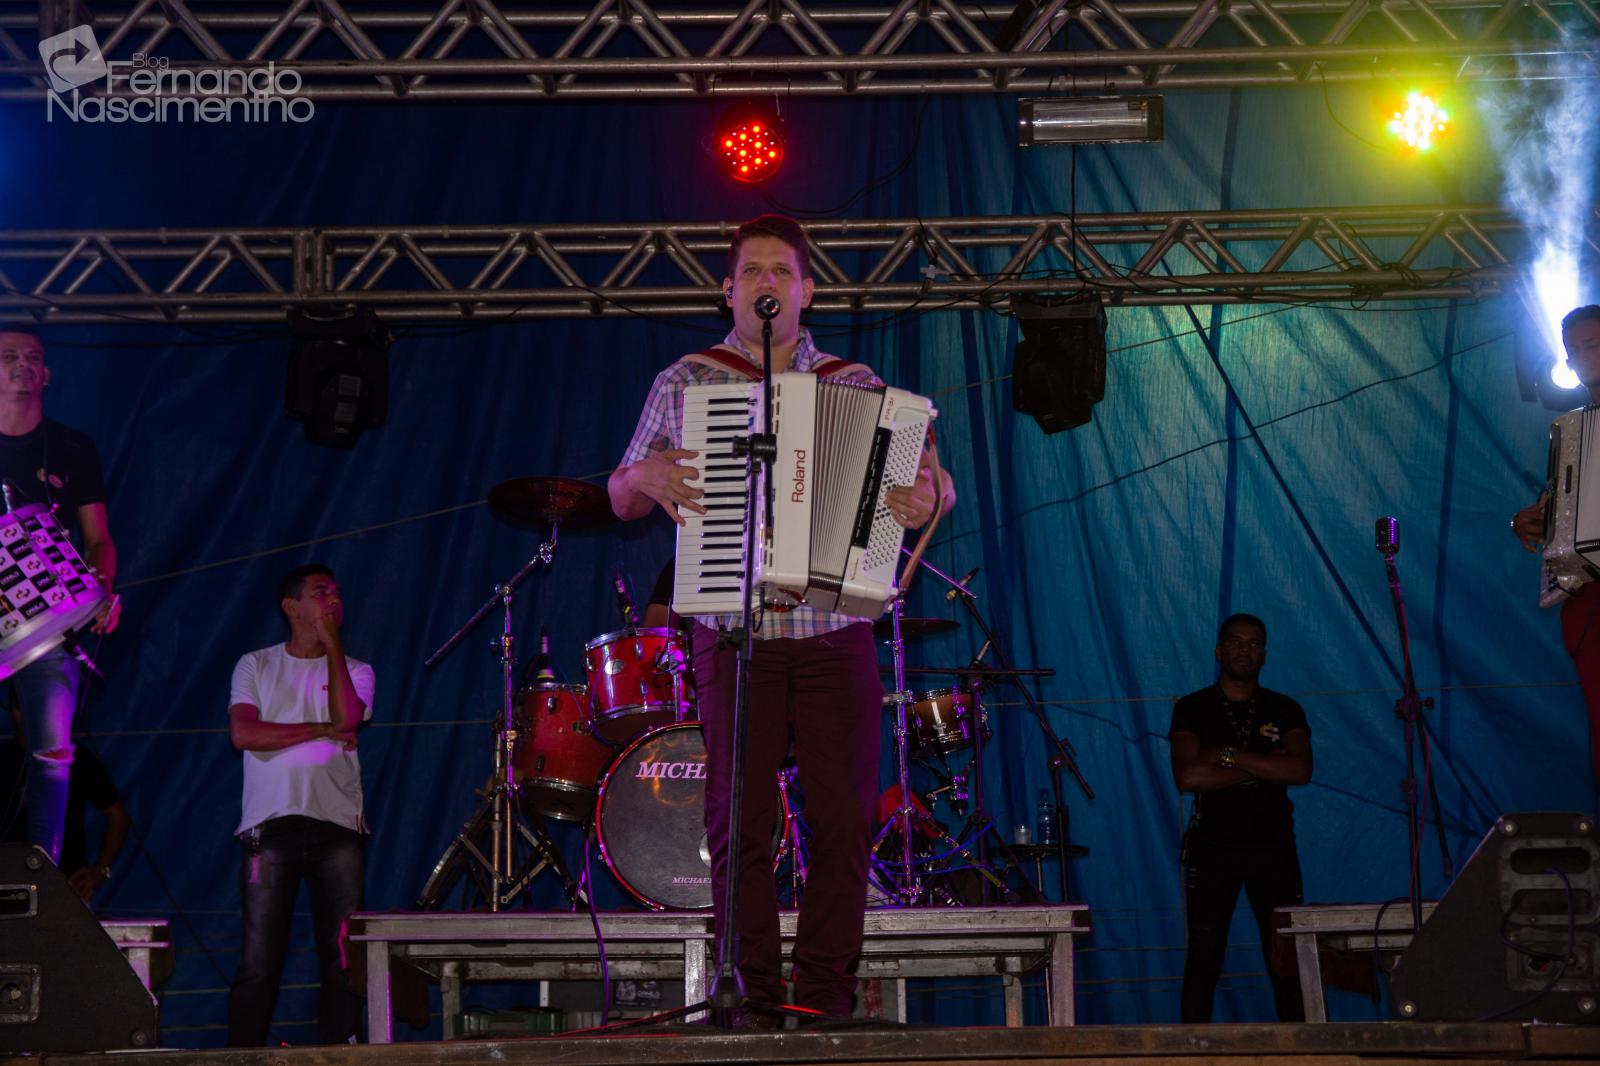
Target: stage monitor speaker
(64, 985)
(1517, 936)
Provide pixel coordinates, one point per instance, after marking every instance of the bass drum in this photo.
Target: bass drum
(651, 819)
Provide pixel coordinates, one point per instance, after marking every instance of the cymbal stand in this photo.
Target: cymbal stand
(798, 834)
(1063, 757)
(518, 850)
(902, 881)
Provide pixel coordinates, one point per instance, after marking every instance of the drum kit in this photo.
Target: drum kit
(622, 755)
(917, 861)
(621, 752)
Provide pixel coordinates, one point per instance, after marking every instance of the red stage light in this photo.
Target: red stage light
(752, 143)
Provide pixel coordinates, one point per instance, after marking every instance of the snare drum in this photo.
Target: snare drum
(46, 589)
(638, 679)
(558, 760)
(651, 819)
(941, 722)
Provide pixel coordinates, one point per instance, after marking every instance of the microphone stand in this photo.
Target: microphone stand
(1063, 757)
(727, 988)
(1408, 708)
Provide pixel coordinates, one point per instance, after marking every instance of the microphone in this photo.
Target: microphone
(625, 604)
(10, 494)
(1386, 536)
(953, 593)
(977, 660)
(544, 676)
(767, 308)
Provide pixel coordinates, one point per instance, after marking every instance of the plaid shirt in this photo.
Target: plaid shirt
(661, 427)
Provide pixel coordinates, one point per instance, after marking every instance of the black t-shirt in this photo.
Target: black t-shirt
(662, 593)
(90, 784)
(1252, 814)
(53, 464)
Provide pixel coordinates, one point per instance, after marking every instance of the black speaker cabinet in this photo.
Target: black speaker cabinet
(64, 985)
(1517, 936)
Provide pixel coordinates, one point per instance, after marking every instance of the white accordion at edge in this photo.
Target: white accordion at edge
(833, 542)
(1572, 512)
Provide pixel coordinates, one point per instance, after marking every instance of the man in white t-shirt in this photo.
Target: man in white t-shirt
(294, 713)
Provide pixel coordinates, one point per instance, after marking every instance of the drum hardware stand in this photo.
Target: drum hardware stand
(1063, 756)
(903, 882)
(1408, 708)
(927, 887)
(503, 812)
(799, 833)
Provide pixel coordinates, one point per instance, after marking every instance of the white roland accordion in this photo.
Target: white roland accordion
(1572, 512)
(833, 543)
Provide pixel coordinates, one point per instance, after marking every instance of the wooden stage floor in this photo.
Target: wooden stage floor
(1336, 1044)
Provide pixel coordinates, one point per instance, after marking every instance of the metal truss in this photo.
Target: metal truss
(631, 49)
(891, 265)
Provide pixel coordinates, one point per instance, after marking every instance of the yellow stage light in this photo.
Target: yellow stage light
(1421, 123)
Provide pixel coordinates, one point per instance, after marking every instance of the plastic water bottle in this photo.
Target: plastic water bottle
(1046, 832)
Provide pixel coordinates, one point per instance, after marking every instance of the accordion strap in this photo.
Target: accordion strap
(724, 357)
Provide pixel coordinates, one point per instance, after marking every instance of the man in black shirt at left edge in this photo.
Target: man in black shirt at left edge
(48, 463)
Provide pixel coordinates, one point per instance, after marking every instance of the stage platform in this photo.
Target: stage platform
(453, 949)
(1337, 1044)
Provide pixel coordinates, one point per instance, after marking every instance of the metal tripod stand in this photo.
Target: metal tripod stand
(510, 830)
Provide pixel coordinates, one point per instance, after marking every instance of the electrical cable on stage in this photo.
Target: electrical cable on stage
(1559, 970)
(872, 183)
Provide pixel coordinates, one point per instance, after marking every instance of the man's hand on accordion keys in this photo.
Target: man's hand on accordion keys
(662, 477)
(1528, 524)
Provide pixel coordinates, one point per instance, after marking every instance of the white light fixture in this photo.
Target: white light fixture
(1088, 119)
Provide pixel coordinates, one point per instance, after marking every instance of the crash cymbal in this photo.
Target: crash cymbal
(543, 501)
(913, 628)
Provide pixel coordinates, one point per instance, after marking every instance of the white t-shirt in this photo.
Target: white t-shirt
(317, 778)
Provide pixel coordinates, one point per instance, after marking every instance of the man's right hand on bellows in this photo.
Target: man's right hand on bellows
(1528, 524)
(661, 476)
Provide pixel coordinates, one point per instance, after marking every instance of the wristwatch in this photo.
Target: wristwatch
(1227, 758)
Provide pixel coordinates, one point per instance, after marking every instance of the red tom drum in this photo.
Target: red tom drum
(557, 758)
(638, 679)
(942, 722)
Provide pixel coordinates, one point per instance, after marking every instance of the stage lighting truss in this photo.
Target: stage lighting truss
(651, 49)
(580, 270)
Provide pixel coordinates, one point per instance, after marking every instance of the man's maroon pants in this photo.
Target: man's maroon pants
(827, 688)
(1580, 632)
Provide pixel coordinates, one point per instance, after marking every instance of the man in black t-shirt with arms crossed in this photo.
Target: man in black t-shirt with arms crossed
(1238, 746)
(45, 462)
